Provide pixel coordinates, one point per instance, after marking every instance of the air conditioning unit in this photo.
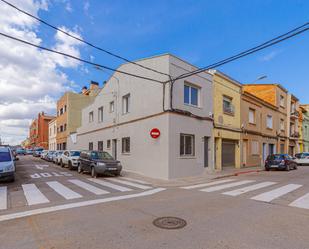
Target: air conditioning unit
(211, 115)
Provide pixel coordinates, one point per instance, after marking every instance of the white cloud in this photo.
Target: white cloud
(68, 7)
(270, 56)
(86, 6)
(31, 80)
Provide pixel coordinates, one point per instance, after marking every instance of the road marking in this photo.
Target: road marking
(134, 180)
(41, 166)
(3, 198)
(208, 184)
(109, 185)
(249, 188)
(224, 186)
(302, 202)
(136, 185)
(33, 194)
(89, 187)
(77, 204)
(271, 195)
(63, 190)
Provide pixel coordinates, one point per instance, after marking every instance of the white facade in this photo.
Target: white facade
(132, 107)
(52, 134)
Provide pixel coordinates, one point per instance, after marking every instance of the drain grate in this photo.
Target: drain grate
(169, 223)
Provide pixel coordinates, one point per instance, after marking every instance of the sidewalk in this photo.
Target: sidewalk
(207, 176)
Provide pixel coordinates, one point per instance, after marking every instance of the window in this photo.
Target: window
(100, 114)
(269, 121)
(90, 117)
(111, 106)
(227, 105)
(281, 101)
(254, 147)
(186, 145)
(108, 144)
(65, 108)
(50, 131)
(90, 146)
(282, 124)
(65, 127)
(100, 145)
(251, 116)
(125, 145)
(61, 111)
(61, 128)
(191, 95)
(126, 104)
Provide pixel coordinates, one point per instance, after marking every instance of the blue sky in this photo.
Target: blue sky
(201, 32)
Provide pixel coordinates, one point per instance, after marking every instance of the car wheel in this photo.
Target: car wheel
(70, 165)
(79, 169)
(266, 168)
(61, 164)
(93, 173)
(295, 166)
(12, 179)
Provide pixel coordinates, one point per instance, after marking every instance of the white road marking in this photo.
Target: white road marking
(89, 187)
(63, 190)
(3, 198)
(76, 205)
(208, 184)
(134, 180)
(109, 185)
(42, 166)
(302, 202)
(273, 194)
(249, 188)
(33, 194)
(228, 185)
(136, 185)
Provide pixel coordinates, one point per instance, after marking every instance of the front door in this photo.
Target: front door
(114, 148)
(206, 144)
(228, 153)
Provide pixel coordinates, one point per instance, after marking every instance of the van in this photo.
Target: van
(7, 164)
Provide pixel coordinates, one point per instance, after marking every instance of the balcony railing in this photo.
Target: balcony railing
(294, 114)
(294, 135)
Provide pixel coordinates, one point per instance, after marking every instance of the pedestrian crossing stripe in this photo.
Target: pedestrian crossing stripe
(33, 195)
(89, 187)
(136, 185)
(63, 190)
(225, 186)
(208, 184)
(257, 186)
(302, 202)
(110, 185)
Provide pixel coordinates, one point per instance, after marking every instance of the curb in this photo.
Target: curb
(239, 173)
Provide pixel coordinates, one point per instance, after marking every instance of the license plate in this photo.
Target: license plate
(112, 168)
(274, 166)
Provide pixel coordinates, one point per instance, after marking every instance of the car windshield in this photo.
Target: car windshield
(5, 156)
(101, 155)
(75, 153)
(276, 157)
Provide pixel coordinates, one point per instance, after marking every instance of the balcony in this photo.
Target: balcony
(294, 115)
(294, 135)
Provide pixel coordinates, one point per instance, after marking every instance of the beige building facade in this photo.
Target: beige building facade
(52, 134)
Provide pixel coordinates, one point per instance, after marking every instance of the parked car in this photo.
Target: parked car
(280, 161)
(302, 158)
(98, 162)
(49, 155)
(57, 156)
(29, 152)
(37, 152)
(70, 158)
(43, 154)
(7, 164)
(21, 151)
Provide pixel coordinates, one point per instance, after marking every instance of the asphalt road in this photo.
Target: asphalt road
(260, 210)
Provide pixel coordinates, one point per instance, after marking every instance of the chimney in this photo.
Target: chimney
(94, 85)
(84, 90)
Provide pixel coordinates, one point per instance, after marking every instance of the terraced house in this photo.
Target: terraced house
(227, 130)
(304, 127)
(159, 130)
(293, 127)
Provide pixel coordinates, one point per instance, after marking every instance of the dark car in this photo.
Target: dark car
(280, 161)
(98, 162)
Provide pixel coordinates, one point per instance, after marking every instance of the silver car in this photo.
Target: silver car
(7, 164)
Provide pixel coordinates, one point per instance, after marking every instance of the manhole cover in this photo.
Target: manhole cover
(169, 223)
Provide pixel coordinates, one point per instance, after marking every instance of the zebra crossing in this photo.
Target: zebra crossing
(234, 188)
(71, 189)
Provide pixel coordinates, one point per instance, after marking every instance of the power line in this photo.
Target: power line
(81, 40)
(262, 46)
(82, 60)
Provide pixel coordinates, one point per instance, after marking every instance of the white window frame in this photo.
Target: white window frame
(111, 106)
(282, 128)
(125, 145)
(183, 152)
(100, 114)
(91, 117)
(269, 118)
(190, 94)
(251, 110)
(281, 100)
(126, 103)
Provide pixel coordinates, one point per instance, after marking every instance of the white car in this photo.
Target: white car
(7, 164)
(70, 158)
(57, 157)
(302, 158)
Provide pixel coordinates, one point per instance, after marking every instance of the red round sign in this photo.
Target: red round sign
(155, 133)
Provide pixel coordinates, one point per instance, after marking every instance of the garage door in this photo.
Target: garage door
(228, 153)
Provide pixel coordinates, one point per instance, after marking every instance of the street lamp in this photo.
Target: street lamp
(260, 78)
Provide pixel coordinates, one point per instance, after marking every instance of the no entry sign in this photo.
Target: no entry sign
(155, 133)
